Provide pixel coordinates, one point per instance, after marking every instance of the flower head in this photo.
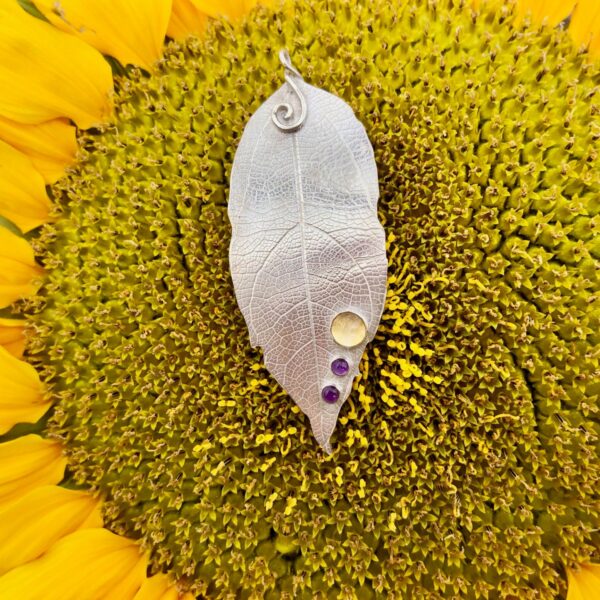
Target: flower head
(466, 459)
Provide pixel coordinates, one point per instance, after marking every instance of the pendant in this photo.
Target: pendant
(307, 253)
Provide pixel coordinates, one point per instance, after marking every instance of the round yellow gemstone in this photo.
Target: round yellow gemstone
(348, 329)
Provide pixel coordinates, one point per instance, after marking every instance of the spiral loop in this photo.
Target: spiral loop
(290, 74)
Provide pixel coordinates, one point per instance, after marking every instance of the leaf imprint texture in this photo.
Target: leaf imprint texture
(306, 244)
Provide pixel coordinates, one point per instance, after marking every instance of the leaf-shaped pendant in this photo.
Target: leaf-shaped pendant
(307, 252)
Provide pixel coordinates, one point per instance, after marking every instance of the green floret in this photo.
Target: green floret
(465, 463)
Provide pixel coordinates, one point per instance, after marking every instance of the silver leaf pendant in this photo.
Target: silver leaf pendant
(307, 252)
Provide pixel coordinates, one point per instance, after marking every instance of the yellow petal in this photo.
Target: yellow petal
(18, 269)
(233, 9)
(585, 25)
(132, 31)
(27, 463)
(552, 12)
(32, 524)
(129, 585)
(23, 197)
(11, 336)
(11, 414)
(186, 19)
(46, 74)
(86, 565)
(584, 583)
(51, 146)
(160, 587)
(22, 399)
(19, 381)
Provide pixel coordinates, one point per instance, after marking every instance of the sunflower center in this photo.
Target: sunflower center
(465, 458)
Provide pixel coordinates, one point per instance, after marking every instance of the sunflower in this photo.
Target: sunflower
(145, 453)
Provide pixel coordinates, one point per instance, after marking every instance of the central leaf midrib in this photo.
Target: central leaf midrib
(301, 221)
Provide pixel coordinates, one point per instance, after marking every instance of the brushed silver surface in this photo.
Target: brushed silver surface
(307, 244)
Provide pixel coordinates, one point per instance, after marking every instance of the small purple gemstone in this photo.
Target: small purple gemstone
(340, 366)
(330, 394)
